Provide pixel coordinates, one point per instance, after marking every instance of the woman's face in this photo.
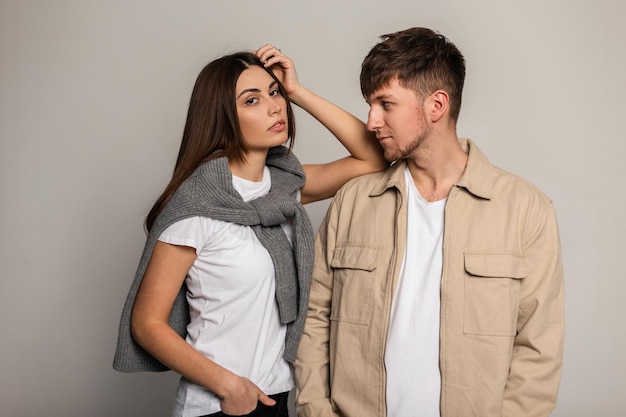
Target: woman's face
(261, 109)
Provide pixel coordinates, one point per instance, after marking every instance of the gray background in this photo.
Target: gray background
(93, 98)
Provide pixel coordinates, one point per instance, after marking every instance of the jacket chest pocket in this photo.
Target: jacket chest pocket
(353, 283)
(492, 288)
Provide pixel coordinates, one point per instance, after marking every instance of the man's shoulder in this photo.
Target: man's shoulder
(510, 183)
(496, 181)
(363, 185)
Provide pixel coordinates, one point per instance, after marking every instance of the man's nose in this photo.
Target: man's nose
(374, 121)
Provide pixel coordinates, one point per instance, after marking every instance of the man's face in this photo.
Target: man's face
(398, 118)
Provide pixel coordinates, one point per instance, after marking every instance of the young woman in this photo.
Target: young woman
(221, 291)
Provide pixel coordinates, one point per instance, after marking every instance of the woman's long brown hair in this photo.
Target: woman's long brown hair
(212, 127)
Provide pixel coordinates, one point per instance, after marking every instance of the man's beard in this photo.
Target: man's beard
(396, 154)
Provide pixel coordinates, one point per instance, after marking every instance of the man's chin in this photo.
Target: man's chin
(392, 156)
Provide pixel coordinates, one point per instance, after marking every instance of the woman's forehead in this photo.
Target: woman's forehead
(255, 78)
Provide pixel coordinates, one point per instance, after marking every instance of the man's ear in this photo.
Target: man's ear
(440, 102)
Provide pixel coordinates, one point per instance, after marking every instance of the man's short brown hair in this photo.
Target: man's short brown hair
(421, 60)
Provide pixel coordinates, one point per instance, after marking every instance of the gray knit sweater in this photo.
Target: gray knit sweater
(209, 192)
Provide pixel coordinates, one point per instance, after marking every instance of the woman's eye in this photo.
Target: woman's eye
(251, 100)
(275, 92)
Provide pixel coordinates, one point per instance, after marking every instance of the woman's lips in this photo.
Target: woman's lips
(279, 126)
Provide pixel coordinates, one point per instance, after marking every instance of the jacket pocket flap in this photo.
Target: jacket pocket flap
(355, 257)
(494, 265)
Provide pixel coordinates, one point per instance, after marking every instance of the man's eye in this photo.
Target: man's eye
(385, 104)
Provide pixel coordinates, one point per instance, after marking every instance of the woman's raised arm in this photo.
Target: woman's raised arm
(323, 180)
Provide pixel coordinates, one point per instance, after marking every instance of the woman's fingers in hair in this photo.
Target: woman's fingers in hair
(269, 54)
(281, 65)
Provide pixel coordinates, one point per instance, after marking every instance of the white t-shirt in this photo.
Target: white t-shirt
(412, 352)
(231, 294)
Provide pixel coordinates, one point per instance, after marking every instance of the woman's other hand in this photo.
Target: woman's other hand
(242, 397)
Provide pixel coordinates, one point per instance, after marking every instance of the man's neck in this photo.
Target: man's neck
(437, 168)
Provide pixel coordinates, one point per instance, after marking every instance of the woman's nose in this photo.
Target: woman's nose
(274, 107)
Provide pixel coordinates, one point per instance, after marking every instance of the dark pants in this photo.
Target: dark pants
(277, 410)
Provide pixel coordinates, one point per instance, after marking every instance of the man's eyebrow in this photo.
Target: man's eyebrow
(255, 90)
(379, 97)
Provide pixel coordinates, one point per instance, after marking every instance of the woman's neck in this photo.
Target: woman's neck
(251, 169)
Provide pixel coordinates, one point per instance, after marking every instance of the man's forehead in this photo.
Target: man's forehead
(389, 89)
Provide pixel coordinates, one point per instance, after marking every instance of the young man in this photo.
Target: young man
(438, 285)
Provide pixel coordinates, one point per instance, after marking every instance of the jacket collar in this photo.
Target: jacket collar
(477, 177)
(392, 177)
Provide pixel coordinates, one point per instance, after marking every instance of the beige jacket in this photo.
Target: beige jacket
(502, 314)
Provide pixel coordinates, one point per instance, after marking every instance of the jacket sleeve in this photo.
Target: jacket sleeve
(312, 364)
(533, 382)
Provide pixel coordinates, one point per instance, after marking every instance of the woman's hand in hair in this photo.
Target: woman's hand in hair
(281, 65)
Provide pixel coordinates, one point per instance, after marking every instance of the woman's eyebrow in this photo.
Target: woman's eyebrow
(255, 90)
(249, 90)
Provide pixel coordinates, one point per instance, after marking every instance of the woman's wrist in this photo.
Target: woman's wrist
(300, 95)
(224, 383)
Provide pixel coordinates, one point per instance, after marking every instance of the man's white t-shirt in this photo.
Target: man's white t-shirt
(231, 294)
(412, 352)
